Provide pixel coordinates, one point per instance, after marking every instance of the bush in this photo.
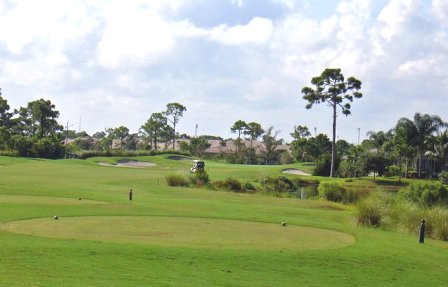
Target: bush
(332, 191)
(248, 186)
(437, 223)
(219, 185)
(11, 153)
(323, 166)
(278, 184)
(286, 158)
(443, 177)
(233, 184)
(394, 213)
(392, 170)
(200, 178)
(370, 211)
(230, 184)
(426, 194)
(176, 180)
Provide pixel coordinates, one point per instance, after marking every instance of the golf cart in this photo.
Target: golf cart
(198, 166)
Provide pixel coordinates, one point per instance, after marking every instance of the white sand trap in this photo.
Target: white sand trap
(295, 171)
(129, 163)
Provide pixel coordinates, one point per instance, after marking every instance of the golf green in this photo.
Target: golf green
(183, 232)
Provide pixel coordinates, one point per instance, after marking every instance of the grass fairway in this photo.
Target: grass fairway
(186, 236)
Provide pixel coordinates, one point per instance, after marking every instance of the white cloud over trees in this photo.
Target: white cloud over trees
(129, 58)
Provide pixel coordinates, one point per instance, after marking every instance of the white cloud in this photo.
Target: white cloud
(132, 34)
(47, 23)
(394, 15)
(291, 4)
(440, 10)
(115, 62)
(257, 31)
(239, 3)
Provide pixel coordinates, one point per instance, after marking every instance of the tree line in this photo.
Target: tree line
(34, 131)
(415, 147)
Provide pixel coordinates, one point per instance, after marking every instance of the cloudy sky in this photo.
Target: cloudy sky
(107, 63)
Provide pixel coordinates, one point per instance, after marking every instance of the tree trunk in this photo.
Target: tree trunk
(174, 134)
(419, 164)
(399, 169)
(406, 175)
(333, 144)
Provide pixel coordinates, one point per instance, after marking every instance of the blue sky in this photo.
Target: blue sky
(112, 63)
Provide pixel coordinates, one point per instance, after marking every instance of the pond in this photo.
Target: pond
(305, 191)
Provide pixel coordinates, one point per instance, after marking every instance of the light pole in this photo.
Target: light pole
(359, 133)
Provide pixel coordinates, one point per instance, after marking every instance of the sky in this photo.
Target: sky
(110, 63)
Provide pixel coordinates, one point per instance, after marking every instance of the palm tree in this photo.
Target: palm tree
(419, 131)
(440, 148)
(379, 139)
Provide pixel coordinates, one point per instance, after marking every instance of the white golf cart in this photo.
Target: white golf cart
(198, 166)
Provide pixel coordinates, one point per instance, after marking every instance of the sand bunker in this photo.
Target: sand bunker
(129, 163)
(183, 232)
(295, 171)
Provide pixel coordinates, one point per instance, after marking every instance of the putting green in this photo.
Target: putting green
(183, 232)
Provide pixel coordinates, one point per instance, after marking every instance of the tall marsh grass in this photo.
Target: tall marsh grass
(390, 212)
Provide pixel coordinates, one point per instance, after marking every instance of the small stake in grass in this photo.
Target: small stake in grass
(422, 232)
(130, 194)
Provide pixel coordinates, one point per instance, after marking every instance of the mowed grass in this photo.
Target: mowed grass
(184, 232)
(92, 204)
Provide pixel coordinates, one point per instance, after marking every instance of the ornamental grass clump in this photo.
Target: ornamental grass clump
(390, 212)
(177, 180)
(200, 178)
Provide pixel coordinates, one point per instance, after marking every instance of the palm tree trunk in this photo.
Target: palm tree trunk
(419, 161)
(406, 175)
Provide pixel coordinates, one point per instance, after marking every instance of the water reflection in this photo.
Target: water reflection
(306, 191)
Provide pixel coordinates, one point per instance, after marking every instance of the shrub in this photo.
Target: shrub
(443, 177)
(248, 186)
(395, 213)
(323, 166)
(286, 158)
(426, 194)
(437, 223)
(392, 170)
(332, 191)
(219, 184)
(230, 184)
(370, 211)
(278, 184)
(200, 178)
(233, 184)
(11, 153)
(176, 180)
